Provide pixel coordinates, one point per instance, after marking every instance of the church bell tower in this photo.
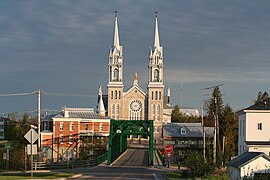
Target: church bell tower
(115, 84)
(155, 85)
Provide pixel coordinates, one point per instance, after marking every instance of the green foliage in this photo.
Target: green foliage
(261, 97)
(179, 117)
(198, 165)
(229, 130)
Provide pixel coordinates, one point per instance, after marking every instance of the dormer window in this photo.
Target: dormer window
(183, 130)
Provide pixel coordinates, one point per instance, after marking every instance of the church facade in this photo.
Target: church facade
(135, 103)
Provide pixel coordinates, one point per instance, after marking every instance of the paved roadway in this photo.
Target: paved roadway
(133, 157)
(133, 164)
(117, 172)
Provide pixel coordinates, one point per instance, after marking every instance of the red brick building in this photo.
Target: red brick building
(73, 133)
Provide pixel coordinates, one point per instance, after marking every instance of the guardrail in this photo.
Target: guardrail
(160, 156)
(70, 164)
(100, 159)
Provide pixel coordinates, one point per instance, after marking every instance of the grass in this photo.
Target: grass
(36, 175)
(178, 176)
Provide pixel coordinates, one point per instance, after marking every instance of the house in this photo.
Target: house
(188, 111)
(3, 122)
(247, 164)
(254, 128)
(186, 138)
(72, 131)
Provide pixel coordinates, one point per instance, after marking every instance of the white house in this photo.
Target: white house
(254, 128)
(248, 164)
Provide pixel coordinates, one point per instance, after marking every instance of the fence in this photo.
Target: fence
(101, 158)
(160, 156)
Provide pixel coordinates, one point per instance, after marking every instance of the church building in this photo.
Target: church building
(135, 103)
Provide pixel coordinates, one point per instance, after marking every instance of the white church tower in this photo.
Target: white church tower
(115, 85)
(155, 83)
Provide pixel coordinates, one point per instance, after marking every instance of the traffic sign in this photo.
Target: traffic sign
(34, 149)
(168, 149)
(31, 136)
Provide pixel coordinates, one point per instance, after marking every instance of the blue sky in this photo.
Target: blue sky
(63, 46)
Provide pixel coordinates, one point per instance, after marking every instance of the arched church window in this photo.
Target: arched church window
(115, 74)
(159, 95)
(119, 94)
(156, 98)
(115, 94)
(153, 111)
(158, 112)
(152, 95)
(113, 111)
(156, 75)
(111, 94)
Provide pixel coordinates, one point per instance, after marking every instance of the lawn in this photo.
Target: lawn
(43, 175)
(178, 176)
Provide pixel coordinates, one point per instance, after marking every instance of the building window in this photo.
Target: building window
(111, 94)
(159, 95)
(152, 95)
(119, 94)
(259, 126)
(183, 130)
(71, 126)
(153, 112)
(156, 75)
(101, 127)
(156, 95)
(61, 126)
(71, 139)
(61, 139)
(158, 112)
(115, 94)
(85, 126)
(115, 74)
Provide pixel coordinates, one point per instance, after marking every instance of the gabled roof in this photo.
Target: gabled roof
(135, 86)
(246, 158)
(76, 114)
(193, 130)
(262, 105)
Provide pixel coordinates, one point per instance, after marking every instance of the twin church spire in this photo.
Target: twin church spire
(155, 67)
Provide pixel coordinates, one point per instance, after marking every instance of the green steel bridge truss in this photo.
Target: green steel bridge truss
(121, 129)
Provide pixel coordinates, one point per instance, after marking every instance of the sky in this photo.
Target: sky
(62, 47)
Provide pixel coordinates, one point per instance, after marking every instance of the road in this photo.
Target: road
(117, 172)
(133, 157)
(133, 164)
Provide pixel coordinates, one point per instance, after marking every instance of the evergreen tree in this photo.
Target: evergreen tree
(261, 97)
(229, 130)
(214, 111)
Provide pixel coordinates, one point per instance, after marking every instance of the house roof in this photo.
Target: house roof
(246, 158)
(262, 105)
(76, 114)
(193, 130)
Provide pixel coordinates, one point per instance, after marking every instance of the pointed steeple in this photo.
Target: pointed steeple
(156, 40)
(116, 34)
(101, 108)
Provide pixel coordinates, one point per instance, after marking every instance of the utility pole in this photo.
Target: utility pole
(38, 92)
(203, 137)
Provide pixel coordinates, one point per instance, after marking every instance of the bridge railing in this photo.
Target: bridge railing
(162, 158)
(101, 158)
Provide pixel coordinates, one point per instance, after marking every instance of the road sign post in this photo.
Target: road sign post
(31, 136)
(168, 149)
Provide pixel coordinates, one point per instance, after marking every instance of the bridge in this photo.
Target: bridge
(140, 155)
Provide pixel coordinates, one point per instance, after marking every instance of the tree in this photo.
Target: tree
(214, 110)
(229, 130)
(180, 117)
(261, 97)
